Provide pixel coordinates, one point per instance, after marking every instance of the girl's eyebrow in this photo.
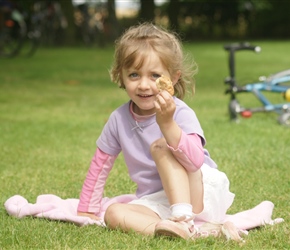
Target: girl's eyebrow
(131, 69)
(156, 72)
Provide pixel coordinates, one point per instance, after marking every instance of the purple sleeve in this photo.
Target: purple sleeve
(93, 187)
(190, 152)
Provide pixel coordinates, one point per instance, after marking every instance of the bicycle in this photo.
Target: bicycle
(21, 33)
(44, 26)
(12, 30)
(31, 40)
(276, 83)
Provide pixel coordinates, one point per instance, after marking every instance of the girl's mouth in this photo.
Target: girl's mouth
(145, 96)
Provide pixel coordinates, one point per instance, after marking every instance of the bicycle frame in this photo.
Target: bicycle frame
(257, 88)
(277, 83)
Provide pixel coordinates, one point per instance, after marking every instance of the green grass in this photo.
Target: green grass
(54, 105)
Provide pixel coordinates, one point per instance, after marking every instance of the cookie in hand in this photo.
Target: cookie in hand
(164, 83)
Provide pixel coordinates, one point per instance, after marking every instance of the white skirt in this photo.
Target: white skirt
(217, 198)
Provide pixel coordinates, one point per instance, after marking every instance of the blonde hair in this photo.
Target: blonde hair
(136, 42)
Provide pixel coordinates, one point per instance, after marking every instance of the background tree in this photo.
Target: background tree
(270, 19)
(112, 27)
(195, 19)
(173, 14)
(68, 10)
(147, 9)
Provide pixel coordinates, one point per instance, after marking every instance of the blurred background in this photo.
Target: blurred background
(100, 22)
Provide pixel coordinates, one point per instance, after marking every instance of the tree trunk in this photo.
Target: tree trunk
(147, 10)
(112, 28)
(68, 11)
(173, 11)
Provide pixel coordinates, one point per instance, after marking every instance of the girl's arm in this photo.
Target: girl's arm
(93, 187)
(189, 153)
(187, 149)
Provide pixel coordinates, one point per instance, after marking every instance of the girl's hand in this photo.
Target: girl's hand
(90, 215)
(165, 108)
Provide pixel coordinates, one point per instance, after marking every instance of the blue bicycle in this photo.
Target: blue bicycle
(277, 83)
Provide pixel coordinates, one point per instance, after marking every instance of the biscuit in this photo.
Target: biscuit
(164, 83)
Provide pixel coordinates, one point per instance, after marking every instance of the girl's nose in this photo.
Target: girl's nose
(144, 83)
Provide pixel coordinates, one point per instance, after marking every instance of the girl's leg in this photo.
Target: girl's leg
(179, 185)
(182, 187)
(196, 191)
(184, 191)
(133, 217)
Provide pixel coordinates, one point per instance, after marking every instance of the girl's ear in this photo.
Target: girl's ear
(176, 77)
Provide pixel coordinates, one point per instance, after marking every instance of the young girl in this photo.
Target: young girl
(178, 184)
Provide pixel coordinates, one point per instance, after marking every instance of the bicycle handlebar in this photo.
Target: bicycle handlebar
(232, 48)
(242, 46)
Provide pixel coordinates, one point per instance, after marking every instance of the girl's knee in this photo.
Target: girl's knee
(112, 216)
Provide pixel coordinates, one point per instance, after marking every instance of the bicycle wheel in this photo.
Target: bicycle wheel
(12, 35)
(284, 119)
(30, 43)
(233, 109)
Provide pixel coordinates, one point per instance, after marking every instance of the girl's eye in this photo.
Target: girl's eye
(133, 75)
(155, 76)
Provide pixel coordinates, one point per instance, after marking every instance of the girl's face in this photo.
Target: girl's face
(140, 83)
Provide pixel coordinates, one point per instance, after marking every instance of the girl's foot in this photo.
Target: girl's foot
(182, 228)
(176, 227)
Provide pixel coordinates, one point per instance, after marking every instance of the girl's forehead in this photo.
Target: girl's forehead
(141, 57)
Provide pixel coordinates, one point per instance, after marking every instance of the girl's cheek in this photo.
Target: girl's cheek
(154, 86)
(155, 89)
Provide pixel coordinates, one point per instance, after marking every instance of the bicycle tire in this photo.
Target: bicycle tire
(278, 75)
(284, 119)
(12, 35)
(31, 43)
(233, 109)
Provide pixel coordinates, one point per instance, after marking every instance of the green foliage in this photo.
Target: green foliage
(54, 105)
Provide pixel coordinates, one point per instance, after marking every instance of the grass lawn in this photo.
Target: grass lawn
(53, 107)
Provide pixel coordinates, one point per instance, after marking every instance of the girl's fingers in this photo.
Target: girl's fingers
(157, 106)
(164, 98)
